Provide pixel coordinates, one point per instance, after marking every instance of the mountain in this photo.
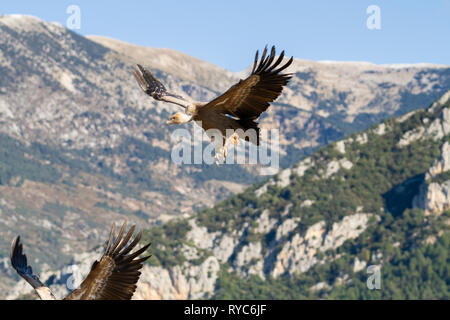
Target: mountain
(377, 200)
(81, 146)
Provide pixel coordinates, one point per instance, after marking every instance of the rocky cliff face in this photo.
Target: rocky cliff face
(82, 146)
(286, 229)
(198, 281)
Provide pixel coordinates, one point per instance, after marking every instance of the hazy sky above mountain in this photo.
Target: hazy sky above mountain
(227, 33)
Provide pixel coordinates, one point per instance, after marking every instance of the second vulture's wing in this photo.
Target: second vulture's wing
(114, 277)
(20, 264)
(249, 98)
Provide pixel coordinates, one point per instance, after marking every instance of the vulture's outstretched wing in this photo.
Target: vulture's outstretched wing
(155, 89)
(114, 277)
(20, 264)
(249, 98)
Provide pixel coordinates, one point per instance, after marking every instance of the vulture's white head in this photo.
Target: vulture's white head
(179, 118)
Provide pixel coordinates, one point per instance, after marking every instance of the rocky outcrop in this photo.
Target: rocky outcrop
(249, 260)
(70, 103)
(443, 99)
(439, 128)
(265, 223)
(61, 281)
(271, 244)
(381, 129)
(300, 253)
(303, 166)
(180, 282)
(434, 197)
(335, 165)
(283, 178)
(340, 146)
(320, 286)
(362, 138)
(193, 280)
(359, 265)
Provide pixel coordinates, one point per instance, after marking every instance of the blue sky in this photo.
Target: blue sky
(227, 33)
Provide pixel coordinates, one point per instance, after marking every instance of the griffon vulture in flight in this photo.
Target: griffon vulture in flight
(237, 109)
(114, 277)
